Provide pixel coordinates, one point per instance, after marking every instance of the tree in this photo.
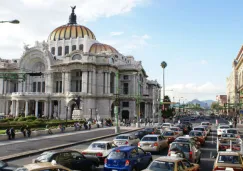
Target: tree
(215, 105)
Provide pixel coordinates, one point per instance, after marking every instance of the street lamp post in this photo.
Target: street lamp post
(163, 65)
(11, 21)
(117, 128)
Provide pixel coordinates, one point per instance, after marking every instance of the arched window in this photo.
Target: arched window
(53, 50)
(66, 50)
(81, 47)
(59, 51)
(73, 47)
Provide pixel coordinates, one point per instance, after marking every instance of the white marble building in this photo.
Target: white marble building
(73, 63)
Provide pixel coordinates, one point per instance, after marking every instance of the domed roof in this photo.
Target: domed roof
(99, 47)
(71, 30)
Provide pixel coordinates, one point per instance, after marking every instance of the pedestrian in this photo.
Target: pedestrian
(75, 126)
(12, 132)
(49, 130)
(8, 133)
(28, 130)
(22, 129)
(235, 122)
(89, 124)
(102, 122)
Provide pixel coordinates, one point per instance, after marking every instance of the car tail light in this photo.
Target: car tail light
(105, 161)
(218, 168)
(152, 132)
(99, 154)
(190, 155)
(156, 144)
(168, 152)
(139, 144)
(84, 153)
(127, 163)
(219, 130)
(126, 142)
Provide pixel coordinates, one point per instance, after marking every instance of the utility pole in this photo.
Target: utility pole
(138, 104)
(117, 128)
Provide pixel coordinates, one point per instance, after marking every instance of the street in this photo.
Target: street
(208, 150)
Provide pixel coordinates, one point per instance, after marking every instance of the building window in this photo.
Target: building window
(60, 87)
(104, 82)
(15, 87)
(39, 87)
(76, 85)
(81, 47)
(56, 86)
(59, 51)
(66, 50)
(34, 86)
(125, 77)
(43, 87)
(53, 51)
(80, 85)
(125, 88)
(73, 47)
(125, 104)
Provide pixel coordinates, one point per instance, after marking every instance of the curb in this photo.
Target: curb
(33, 152)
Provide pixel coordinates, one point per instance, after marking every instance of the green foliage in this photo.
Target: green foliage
(16, 119)
(31, 118)
(22, 119)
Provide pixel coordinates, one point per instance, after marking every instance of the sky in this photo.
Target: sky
(197, 39)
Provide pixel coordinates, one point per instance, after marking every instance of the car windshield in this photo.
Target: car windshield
(149, 129)
(45, 157)
(174, 129)
(223, 127)
(168, 133)
(196, 133)
(122, 137)
(181, 146)
(97, 146)
(228, 135)
(205, 123)
(166, 124)
(2, 164)
(117, 155)
(232, 131)
(229, 159)
(149, 139)
(199, 129)
(161, 166)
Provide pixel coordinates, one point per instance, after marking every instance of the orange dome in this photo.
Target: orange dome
(69, 31)
(99, 47)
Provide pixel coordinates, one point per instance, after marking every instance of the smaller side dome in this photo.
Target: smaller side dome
(99, 47)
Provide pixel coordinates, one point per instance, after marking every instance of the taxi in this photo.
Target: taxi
(43, 166)
(228, 159)
(170, 136)
(199, 135)
(172, 164)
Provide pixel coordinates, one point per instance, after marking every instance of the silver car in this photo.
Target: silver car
(126, 140)
(153, 143)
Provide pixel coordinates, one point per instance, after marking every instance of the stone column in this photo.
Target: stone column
(1, 85)
(84, 81)
(58, 108)
(17, 108)
(20, 86)
(67, 82)
(5, 87)
(7, 108)
(45, 108)
(69, 113)
(50, 109)
(12, 108)
(46, 83)
(49, 84)
(63, 81)
(108, 82)
(134, 85)
(94, 82)
(36, 108)
(90, 82)
(26, 108)
(9, 87)
(106, 74)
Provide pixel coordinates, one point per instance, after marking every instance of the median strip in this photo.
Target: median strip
(33, 152)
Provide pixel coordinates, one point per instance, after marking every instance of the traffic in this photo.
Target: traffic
(177, 146)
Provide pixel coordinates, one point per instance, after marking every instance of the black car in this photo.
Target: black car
(5, 167)
(183, 127)
(188, 124)
(140, 134)
(151, 131)
(71, 159)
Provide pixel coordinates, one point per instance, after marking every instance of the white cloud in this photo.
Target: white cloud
(190, 91)
(39, 17)
(203, 62)
(116, 33)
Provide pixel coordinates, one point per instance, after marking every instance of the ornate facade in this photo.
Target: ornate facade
(71, 64)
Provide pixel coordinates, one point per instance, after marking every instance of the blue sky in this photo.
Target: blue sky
(198, 39)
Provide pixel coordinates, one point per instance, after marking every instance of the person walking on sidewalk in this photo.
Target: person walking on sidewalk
(22, 129)
(12, 132)
(235, 121)
(8, 133)
(28, 130)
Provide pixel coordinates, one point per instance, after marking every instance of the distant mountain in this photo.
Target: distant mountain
(205, 103)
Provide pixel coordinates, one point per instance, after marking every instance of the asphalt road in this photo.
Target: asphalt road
(208, 150)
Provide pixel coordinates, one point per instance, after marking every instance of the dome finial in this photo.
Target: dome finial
(72, 17)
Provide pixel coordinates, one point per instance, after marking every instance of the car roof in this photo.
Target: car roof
(199, 126)
(124, 148)
(205, 122)
(102, 142)
(42, 166)
(168, 159)
(124, 135)
(228, 153)
(152, 135)
(224, 125)
(58, 151)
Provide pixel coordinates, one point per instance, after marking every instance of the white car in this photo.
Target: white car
(221, 129)
(177, 130)
(232, 131)
(167, 125)
(100, 149)
(126, 140)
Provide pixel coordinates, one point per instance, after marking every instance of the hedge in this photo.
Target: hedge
(38, 123)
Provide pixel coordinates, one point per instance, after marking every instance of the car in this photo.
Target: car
(71, 159)
(153, 143)
(183, 127)
(100, 149)
(201, 128)
(221, 128)
(207, 128)
(199, 135)
(170, 136)
(151, 130)
(167, 163)
(140, 134)
(189, 139)
(46, 166)
(126, 140)
(232, 131)
(6, 167)
(188, 124)
(167, 125)
(192, 153)
(228, 159)
(177, 130)
(208, 124)
(229, 143)
(229, 135)
(127, 158)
